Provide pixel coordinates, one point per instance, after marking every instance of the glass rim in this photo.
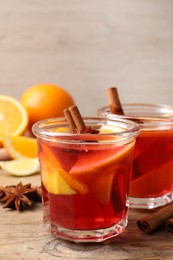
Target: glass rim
(130, 128)
(105, 111)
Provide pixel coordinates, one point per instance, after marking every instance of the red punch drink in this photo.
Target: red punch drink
(85, 177)
(153, 165)
(152, 176)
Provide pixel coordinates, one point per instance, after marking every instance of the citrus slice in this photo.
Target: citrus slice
(93, 162)
(52, 179)
(21, 167)
(48, 158)
(153, 182)
(101, 186)
(13, 117)
(20, 146)
(61, 129)
(107, 129)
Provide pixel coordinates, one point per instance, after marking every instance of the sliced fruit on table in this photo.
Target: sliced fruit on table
(21, 167)
(13, 117)
(20, 146)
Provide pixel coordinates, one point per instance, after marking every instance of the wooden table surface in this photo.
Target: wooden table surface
(23, 236)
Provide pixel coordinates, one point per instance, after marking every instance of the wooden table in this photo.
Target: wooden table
(23, 236)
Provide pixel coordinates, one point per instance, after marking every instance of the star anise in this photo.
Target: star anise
(2, 192)
(17, 196)
(36, 195)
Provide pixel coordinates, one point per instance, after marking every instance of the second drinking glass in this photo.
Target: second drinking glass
(151, 183)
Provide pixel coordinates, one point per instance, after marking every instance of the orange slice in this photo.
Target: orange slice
(101, 186)
(154, 182)
(13, 117)
(20, 147)
(52, 179)
(95, 161)
(75, 185)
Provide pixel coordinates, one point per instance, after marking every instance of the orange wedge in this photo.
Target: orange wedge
(19, 147)
(13, 117)
(101, 186)
(95, 161)
(52, 179)
(154, 182)
(49, 157)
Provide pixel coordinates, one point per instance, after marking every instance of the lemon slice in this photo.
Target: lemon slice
(106, 129)
(58, 176)
(54, 182)
(21, 167)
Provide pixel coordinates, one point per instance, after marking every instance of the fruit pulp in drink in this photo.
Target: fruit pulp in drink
(86, 187)
(152, 174)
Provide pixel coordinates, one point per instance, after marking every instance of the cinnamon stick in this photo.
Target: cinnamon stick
(114, 101)
(76, 123)
(169, 225)
(77, 118)
(155, 219)
(70, 121)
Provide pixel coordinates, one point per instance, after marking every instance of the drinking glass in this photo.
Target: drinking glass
(151, 183)
(85, 177)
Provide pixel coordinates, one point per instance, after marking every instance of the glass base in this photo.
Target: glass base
(97, 235)
(150, 203)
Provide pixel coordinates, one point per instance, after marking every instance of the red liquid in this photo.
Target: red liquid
(100, 202)
(153, 165)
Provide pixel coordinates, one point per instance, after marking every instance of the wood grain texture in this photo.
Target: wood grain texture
(23, 236)
(86, 46)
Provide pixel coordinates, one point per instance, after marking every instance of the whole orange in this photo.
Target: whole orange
(44, 101)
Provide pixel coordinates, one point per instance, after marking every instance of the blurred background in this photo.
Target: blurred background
(88, 45)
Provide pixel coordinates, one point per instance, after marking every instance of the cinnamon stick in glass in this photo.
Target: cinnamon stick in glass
(70, 121)
(77, 118)
(155, 219)
(76, 122)
(169, 225)
(114, 101)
